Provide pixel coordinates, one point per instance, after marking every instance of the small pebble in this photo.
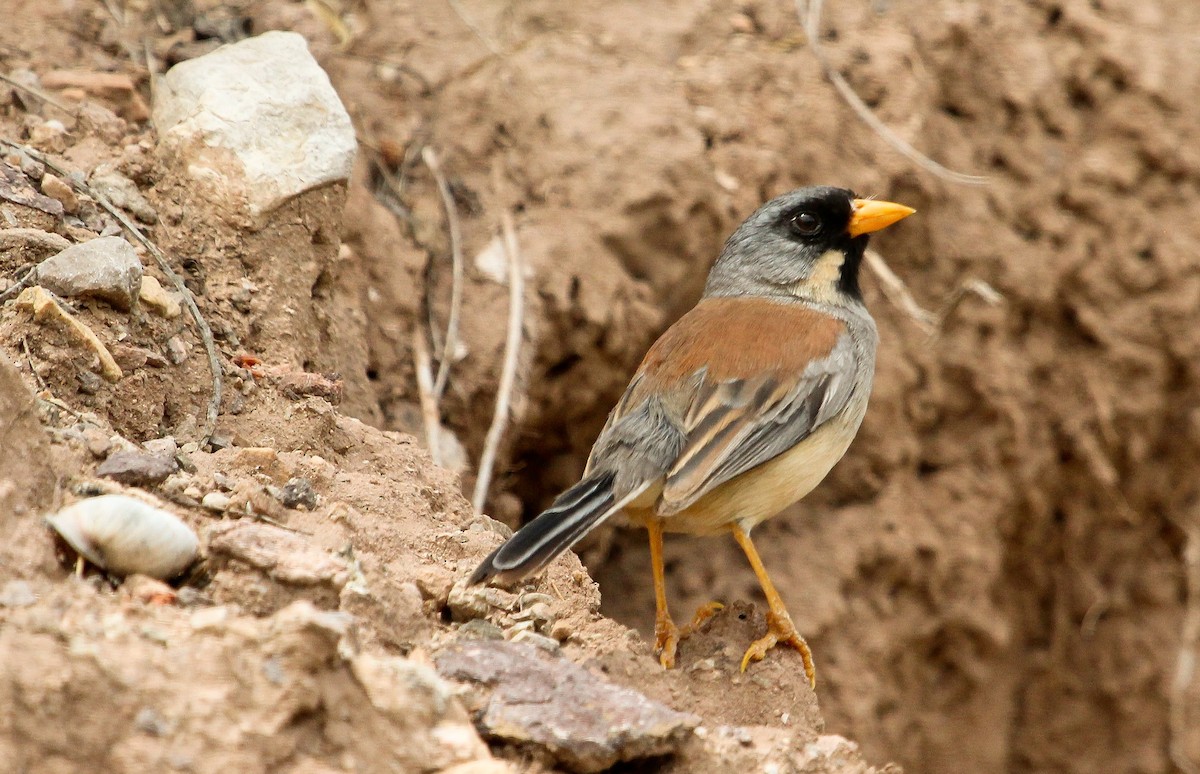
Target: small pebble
(538, 640)
(298, 493)
(177, 350)
(480, 629)
(17, 593)
(164, 445)
(216, 501)
(561, 631)
(56, 189)
(135, 468)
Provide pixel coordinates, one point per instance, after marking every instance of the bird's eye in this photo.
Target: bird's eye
(805, 224)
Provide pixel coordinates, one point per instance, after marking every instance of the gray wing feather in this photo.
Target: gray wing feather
(776, 424)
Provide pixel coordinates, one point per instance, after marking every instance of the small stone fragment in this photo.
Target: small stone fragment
(165, 445)
(216, 501)
(136, 468)
(177, 350)
(298, 493)
(537, 640)
(56, 189)
(585, 722)
(97, 442)
(302, 384)
(49, 136)
(149, 590)
(285, 556)
(121, 192)
(17, 593)
(480, 629)
(153, 295)
(107, 268)
(45, 308)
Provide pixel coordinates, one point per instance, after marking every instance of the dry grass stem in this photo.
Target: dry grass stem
(809, 12)
(508, 372)
(899, 295)
(43, 96)
(429, 405)
(456, 280)
(897, 292)
(473, 27)
(29, 278)
(1185, 661)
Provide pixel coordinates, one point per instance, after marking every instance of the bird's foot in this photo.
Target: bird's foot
(781, 631)
(667, 635)
(703, 615)
(666, 640)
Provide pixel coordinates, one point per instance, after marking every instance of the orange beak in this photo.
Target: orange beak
(870, 215)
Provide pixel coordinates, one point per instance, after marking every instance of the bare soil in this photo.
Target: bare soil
(995, 579)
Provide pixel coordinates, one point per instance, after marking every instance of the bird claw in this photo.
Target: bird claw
(781, 631)
(667, 635)
(666, 641)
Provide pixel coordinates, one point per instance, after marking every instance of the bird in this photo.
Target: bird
(738, 410)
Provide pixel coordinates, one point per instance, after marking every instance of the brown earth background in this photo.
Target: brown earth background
(996, 577)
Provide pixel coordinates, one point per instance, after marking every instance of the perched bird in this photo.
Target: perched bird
(739, 409)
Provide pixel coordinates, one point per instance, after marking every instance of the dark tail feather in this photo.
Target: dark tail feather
(575, 513)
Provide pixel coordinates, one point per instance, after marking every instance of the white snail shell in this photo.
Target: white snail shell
(124, 536)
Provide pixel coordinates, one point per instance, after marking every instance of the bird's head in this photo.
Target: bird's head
(807, 243)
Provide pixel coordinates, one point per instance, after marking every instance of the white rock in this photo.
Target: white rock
(268, 102)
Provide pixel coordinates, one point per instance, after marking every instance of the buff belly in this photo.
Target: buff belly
(762, 492)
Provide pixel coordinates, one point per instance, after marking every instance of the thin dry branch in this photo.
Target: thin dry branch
(206, 336)
(897, 292)
(929, 322)
(29, 278)
(456, 279)
(473, 27)
(429, 407)
(1185, 661)
(809, 12)
(43, 96)
(508, 373)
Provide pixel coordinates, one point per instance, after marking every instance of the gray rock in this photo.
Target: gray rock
(266, 101)
(106, 268)
(121, 192)
(136, 468)
(298, 493)
(579, 718)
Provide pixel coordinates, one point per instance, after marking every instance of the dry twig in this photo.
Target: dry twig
(897, 292)
(456, 280)
(929, 322)
(29, 278)
(1185, 661)
(43, 96)
(512, 351)
(429, 405)
(473, 27)
(809, 12)
(206, 336)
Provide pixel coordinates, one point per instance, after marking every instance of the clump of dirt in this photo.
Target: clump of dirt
(994, 579)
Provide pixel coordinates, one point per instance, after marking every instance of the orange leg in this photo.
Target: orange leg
(666, 633)
(780, 629)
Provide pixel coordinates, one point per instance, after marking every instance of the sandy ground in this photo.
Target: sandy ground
(995, 579)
